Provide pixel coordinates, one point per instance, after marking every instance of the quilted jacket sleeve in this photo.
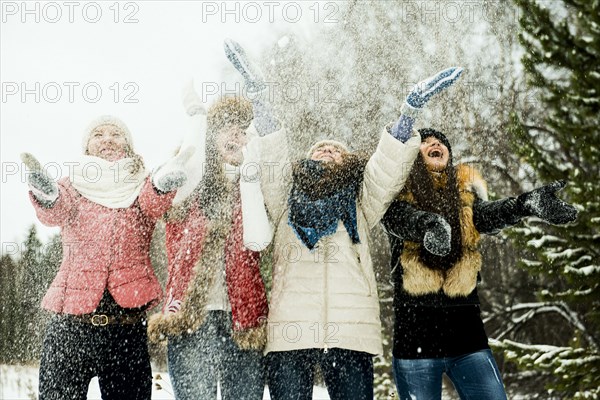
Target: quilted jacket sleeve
(275, 171)
(386, 173)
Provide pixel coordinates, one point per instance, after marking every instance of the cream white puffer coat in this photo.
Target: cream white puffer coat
(327, 297)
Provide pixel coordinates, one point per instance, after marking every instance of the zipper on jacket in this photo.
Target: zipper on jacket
(325, 282)
(114, 249)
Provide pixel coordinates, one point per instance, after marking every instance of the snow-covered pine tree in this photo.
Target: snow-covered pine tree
(29, 266)
(562, 44)
(8, 312)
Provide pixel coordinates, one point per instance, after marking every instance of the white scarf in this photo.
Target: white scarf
(108, 183)
(258, 231)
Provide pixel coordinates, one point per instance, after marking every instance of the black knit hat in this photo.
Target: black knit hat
(428, 132)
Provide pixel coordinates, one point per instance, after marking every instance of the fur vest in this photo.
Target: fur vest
(461, 278)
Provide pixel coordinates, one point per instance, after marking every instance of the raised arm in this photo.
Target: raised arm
(270, 148)
(387, 170)
(418, 97)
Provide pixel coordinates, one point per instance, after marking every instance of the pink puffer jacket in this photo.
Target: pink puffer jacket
(103, 248)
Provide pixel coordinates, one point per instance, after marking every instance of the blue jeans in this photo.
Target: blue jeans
(348, 374)
(475, 377)
(197, 361)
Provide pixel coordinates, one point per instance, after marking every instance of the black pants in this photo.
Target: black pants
(348, 374)
(74, 352)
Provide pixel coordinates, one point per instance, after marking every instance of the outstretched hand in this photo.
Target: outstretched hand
(41, 185)
(423, 91)
(237, 56)
(543, 203)
(437, 234)
(172, 175)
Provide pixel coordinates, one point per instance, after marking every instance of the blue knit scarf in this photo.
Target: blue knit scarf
(322, 195)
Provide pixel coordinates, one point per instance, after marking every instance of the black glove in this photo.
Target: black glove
(543, 203)
(437, 234)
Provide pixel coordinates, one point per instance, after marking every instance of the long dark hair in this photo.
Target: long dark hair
(438, 195)
(214, 190)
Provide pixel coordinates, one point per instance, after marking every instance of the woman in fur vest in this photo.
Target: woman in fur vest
(324, 307)
(215, 314)
(107, 209)
(434, 228)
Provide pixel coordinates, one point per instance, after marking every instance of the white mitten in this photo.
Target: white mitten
(195, 136)
(191, 101)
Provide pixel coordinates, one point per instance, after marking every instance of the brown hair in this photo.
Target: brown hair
(215, 186)
(438, 194)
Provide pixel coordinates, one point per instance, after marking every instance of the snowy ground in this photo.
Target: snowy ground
(21, 382)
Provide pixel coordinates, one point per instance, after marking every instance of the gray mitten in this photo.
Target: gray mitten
(264, 118)
(172, 175)
(418, 97)
(437, 234)
(423, 91)
(237, 56)
(44, 189)
(543, 203)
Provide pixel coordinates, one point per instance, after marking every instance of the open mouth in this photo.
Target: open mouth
(435, 153)
(232, 147)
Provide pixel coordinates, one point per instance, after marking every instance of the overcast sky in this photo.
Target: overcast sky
(64, 63)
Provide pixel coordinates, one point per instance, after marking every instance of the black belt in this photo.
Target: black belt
(104, 319)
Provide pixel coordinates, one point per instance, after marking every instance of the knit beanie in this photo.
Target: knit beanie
(229, 111)
(341, 146)
(428, 132)
(106, 120)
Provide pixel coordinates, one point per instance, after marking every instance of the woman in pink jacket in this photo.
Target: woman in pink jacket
(107, 209)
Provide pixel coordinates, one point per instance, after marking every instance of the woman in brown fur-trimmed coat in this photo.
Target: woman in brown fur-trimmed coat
(434, 228)
(215, 314)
